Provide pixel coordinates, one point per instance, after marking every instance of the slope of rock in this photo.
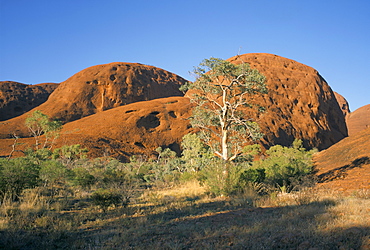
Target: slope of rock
(18, 98)
(345, 166)
(100, 88)
(358, 120)
(137, 128)
(300, 104)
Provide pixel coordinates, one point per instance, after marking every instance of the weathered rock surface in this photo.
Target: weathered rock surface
(358, 120)
(345, 166)
(100, 88)
(343, 104)
(107, 86)
(18, 98)
(137, 128)
(300, 104)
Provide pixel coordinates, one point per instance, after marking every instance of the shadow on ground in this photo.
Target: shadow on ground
(341, 172)
(214, 225)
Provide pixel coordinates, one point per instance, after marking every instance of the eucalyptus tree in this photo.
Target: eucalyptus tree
(222, 92)
(39, 124)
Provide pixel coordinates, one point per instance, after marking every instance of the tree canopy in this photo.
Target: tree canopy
(221, 91)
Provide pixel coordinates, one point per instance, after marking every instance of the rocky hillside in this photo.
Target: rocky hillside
(300, 104)
(358, 120)
(18, 98)
(345, 166)
(100, 88)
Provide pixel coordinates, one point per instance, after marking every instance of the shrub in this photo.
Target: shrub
(82, 177)
(69, 154)
(221, 177)
(16, 175)
(52, 171)
(252, 175)
(195, 154)
(285, 165)
(105, 198)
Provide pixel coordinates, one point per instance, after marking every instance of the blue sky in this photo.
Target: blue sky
(50, 40)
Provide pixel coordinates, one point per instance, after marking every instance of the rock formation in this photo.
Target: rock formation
(100, 88)
(300, 104)
(345, 166)
(358, 120)
(107, 86)
(94, 104)
(343, 104)
(136, 128)
(18, 98)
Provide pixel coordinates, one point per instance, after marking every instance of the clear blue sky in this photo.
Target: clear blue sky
(50, 40)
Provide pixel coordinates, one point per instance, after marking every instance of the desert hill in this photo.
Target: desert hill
(100, 88)
(345, 166)
(300, 104)
(132, 129)
(358, 120)
(18, 98)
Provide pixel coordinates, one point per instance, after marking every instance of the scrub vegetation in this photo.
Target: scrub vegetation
(61, 200)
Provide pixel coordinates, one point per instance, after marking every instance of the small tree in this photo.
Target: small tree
(40, 124)
(195, 154)
(221, 91)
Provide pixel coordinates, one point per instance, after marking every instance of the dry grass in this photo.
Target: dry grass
(185, 217)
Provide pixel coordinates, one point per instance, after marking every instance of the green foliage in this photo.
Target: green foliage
(285, 165)
(221, 91)
(195, 154)
(219, 183)
(52, 171)
(40, 124)
(16, 175)
(252, 175)
(69, 154)
(39, 155)
(82, 177)
(105, 198)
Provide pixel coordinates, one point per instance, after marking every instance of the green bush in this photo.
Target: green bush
(82, 177)
(252, 175)
(285, 165)
(105, 198)
(221, 177)
(195, 154)
(69, 154)
(16, 175)
(52, 171)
